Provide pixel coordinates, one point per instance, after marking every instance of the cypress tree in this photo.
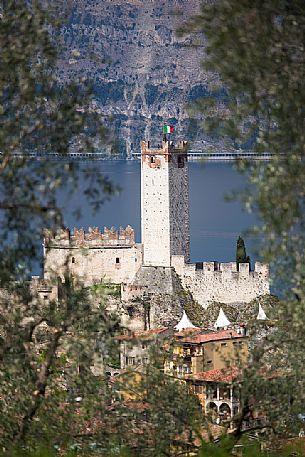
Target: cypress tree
(241, 254)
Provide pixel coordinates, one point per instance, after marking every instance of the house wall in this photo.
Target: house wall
(220, 354)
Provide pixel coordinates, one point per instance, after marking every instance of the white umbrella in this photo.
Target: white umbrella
(222, 320)
(261, 314)
(184, 323)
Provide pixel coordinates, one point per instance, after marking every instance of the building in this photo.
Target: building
(210, 362)
(135, 348)
(163, 258)
(207, 350)
(164, 203)
(93, 256)
(218, 392)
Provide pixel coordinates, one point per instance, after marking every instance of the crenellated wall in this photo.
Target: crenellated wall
(221, 282)
(93, 256)
(79, 237)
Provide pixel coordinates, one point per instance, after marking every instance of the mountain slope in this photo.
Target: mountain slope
(143, 74)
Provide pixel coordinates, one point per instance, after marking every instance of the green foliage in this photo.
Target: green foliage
(47, 347)
(194, 312)
(241, 255)
(158, 415)
(38, 114)
(46, 361)
(103, 290)
(210, 313)
(270, 304)
(246, 312)
(257, 48)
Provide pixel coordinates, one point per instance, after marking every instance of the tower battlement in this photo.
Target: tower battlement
(168, 152)
(167, 147)
(80, 237)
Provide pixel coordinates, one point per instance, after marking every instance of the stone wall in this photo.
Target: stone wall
(92, 256)
(179, 203)
(221, 282)
(155, 206)
(43, 289)
(131, 292)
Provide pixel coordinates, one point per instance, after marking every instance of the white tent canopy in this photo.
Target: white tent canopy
(222, 320)
(261, 314)
(184, 323)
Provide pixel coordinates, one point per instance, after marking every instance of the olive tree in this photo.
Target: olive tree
(47, 347)
(256, 51)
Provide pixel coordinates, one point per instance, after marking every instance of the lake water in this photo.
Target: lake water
(214, 223)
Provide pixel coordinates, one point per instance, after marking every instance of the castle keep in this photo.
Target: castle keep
(164, 203)
(162, 260)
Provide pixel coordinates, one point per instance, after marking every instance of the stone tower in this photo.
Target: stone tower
(164, 203)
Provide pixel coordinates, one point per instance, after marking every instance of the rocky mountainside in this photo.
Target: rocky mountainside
(144, 74)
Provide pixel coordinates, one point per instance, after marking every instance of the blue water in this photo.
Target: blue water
(215, 223)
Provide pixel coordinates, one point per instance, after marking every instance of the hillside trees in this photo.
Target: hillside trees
(257, 48)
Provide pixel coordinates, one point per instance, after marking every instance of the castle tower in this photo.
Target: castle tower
(164, 203)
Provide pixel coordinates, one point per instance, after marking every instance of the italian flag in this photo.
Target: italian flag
(168, 129)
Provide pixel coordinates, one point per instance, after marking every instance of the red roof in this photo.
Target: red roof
(144, 334)
(212, 336)
(188, 331)
(227, 375)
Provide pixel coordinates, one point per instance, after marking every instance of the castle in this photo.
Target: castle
(114, 256)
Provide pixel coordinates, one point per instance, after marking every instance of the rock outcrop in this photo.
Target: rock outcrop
(144, 75)
(162, 302)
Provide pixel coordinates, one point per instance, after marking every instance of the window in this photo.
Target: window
(180, 161)
(152, 159)
(198, 389)
(117, 260)
(223, 344)
(73, 259)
